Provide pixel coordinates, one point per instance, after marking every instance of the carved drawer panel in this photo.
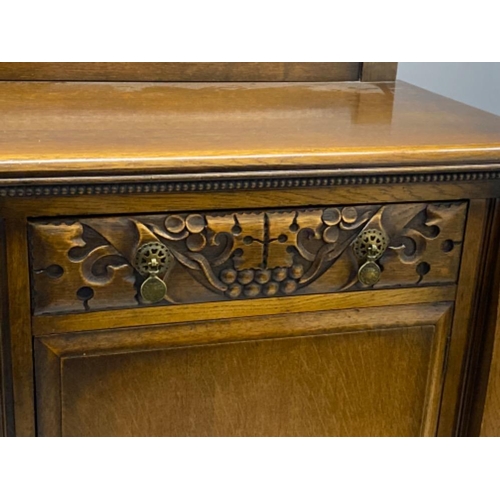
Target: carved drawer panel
(92, 263)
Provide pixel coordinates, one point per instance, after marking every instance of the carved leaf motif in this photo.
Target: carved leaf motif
(309, 236)
(198, 262)
(89, 263)
(427, 248)
(65, 281)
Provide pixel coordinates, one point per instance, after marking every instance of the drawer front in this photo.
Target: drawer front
(90, 264)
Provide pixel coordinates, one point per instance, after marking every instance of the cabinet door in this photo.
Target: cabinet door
(357, 372)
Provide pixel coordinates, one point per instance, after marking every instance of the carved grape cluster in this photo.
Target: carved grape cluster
(332, 217)
(268, 282)
(189, 228)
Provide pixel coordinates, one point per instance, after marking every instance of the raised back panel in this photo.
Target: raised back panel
(193, 72)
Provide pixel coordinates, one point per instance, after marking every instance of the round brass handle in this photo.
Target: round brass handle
(369, 246)
(153, 259)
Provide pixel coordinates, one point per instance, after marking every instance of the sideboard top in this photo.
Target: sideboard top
(68, 129)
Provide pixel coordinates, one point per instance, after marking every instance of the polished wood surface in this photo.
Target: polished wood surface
(91, 264)
(186, 72)
(360, 372)
(69, 129)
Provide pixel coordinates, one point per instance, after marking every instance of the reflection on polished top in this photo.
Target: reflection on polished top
(80, 128)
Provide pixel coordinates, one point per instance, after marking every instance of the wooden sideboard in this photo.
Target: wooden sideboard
(245, 249)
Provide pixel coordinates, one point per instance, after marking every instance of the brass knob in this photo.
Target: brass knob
(153, 260)
(369, 246)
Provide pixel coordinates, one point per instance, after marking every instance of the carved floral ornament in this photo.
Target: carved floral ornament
(91, 263)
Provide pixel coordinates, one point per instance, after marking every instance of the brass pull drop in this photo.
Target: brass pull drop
(369, 246)
(153, 260)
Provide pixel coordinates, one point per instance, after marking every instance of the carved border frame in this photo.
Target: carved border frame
(18, 188)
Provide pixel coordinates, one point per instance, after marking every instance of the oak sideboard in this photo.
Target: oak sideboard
(245, 249)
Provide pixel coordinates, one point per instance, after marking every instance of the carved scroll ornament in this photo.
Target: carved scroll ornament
(90, 263)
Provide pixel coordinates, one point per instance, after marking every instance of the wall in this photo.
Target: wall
(476, 84)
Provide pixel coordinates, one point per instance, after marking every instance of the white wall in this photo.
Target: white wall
(476, 84)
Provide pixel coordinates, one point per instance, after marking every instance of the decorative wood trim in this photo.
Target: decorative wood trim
(350, 317)
(54, 324)
(379, 71)
(124, 185)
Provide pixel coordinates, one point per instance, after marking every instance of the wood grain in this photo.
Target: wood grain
(338, 379)
(183, 72)
(437, 374)
(99, 129)
(56, 324)
(462, 330)
(19, 324)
